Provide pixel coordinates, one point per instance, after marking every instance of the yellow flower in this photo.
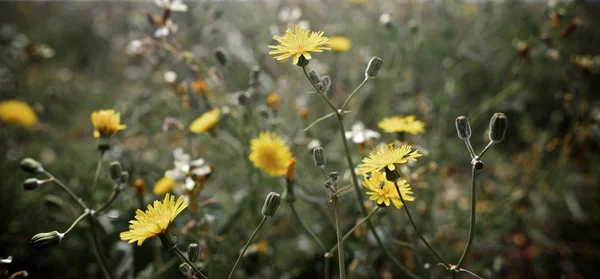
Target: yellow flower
(164, 185)
(206, 121)
(106, 123)
(339, 43)
(299, 43)
(154, 221)
(17, 113)
(384, 191)
(273, 101)
(258, 247)
(387, 156)
(399, 123)
(270, 154)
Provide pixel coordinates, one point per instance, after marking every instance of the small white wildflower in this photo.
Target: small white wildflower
(360, 134)
(173, 5)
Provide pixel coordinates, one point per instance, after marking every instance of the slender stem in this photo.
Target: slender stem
(246, 246)
(326, 269)
(353, 93)
(472, 225)
(354, 228)
(86, 213)
(470, 148)
(340, 243)
(96, 175)
(307, 228)
(446, 264)
(320, 92)
(95, 246)
(486, 148)
(112, 198)
(66, 189)
(185, 259)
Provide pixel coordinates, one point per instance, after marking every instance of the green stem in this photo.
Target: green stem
(246, 246)
(86, 213)
(110, 200)
(312, 234)
(470, 148)
(338, 230)
(95, 246)
(486, 148)
(354, 228)
(446, 264)
(180, 254)
(96, 176)
(66, 189)
(320, 92)
(326, 269)
(353, 93)
(472, 225)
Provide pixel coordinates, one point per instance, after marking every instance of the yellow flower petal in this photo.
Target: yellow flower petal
(299, 43)
(402, 124)
(206, 121)
(164, 185)
(339, 43)
(17, 113)
(106, 123)
(270, 153)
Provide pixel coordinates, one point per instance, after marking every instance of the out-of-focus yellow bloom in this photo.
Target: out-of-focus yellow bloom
(270, 154)
(200, 86)
(399, 123)
(291, 169)
(206, 121)
(387, 156)
(383, 191)
(273, 101)
(107, 123)
(299, 43)
(339, 43)
(586, 62)
(155, 220)
(164, 185)
(17, 113)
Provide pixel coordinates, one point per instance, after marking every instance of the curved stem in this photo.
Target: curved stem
(312, 234)
(246, 246)
(86, 213)
(446, 264)
(354, 228)
(320, 92)
(66, 189)
(110, 200)
(353, 93)
(96, 175)
(95, 246)
(180, 254)
(338, 230)
(472, 225)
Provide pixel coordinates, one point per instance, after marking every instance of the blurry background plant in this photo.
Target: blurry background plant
(162, 69)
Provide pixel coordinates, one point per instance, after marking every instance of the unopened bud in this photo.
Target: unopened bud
(193, 252)
(31, 166)
(302, 61)
(373, 67)
(463, 128)
(326, 80)
(319, 157)
(334, 175)
(42, 240)
(115, 170)
(329, 184)
(124, 177)
(254, 75)
(314, 77)
(222, 56)
(392, 175)
(271, 204)
(31, 183)
(185, 269)
(498, 125)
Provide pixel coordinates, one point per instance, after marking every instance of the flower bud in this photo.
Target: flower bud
(271, 203)
(254, 75)
(373, 67)
(42, 240)
(319, 157)
(31, 183)
(302, 61)
(193, 252)
(463, 128)
(222, 56)
(124, 178)
(31, 166)
(329, 185)
(314, 77)
(185, 269)
(334, 175)
(115, 170)
(392, 175)
(498, 125)
(326, 80)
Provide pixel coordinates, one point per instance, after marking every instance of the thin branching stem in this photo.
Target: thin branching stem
(338, 230)
(329, 103)
(246, 246)
(86, 213)
(66, 189)
(486, 148)
(185, 259)
(470, 148)
(354, 228)
(95, 246)
(472, 225)
(307, 228)
(96, 176)
(353, 93)
(110, 200)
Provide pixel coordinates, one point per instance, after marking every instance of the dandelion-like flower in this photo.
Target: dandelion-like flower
(206, 121)
(340, 43)
(387, 156)
(383, 191)
(299, 43)
(17, 113)
(270, 153)
(106, 123)
(155, 220)
(399, 123)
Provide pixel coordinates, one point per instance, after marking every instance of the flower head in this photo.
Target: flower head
(299, 43)
(187, 173)
(399, 123)
(107, 123)
(387, 156)
(383, 191)
(360, 134)
(339, 43)
(155, 220)
(206, 121)
(273, 100)
(270, 154)
(173, 5)
(17, 113)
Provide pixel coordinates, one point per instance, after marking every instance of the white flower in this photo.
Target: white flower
(360, 134)
(170, 76)
(166, 29)
(173, 5)
(185, 169)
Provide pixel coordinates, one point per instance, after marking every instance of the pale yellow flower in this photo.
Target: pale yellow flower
(206, 121)
(387, 156)
(339, 43)
(383, 191)
(270, 153)
(299, 43)
(164, 185)
(404, 124)
(17, 113)
(106, 123)
(155, 220)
